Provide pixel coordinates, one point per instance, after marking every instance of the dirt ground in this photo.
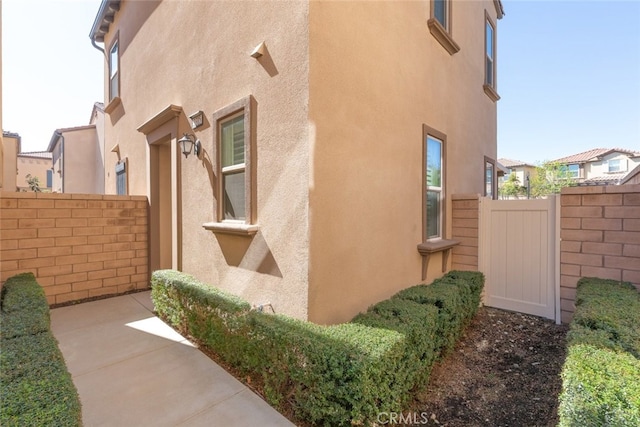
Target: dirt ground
(503, 372)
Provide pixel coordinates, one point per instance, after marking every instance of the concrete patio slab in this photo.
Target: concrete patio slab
(131, 369)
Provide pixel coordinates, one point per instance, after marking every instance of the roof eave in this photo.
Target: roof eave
(104, 18)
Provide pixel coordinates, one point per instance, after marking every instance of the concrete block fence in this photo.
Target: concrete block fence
(78, 245)
(600, 237)
(465, 213)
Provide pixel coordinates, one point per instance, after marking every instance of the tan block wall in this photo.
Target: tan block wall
(600, 232)
(465, 214)
(78, 246)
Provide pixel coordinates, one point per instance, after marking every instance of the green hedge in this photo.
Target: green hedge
(601, 375)
(36, 387)
(329, 375)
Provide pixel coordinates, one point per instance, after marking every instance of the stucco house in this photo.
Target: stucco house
(603, 166)
(324, 140)
(11, 147)
(78, 156)
(520, 169)
(37, 164)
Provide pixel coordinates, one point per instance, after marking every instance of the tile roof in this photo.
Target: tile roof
(37, 154)
(594, 154)
(508, 163)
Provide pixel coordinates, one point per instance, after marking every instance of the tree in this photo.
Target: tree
(33, 182)
(512, 187)
(550, 178)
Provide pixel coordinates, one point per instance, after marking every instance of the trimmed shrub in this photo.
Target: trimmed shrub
(418, 323)
(328, 375)
(36, 387)
(601, 375)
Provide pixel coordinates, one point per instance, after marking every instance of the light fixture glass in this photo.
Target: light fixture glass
(189, 142)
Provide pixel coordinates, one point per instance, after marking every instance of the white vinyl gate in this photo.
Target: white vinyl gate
(519, 254)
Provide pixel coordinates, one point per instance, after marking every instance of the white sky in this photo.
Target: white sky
(51, 74)
(568, 73)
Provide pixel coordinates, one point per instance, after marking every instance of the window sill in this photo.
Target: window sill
(112, 105)
(443, 37)
(491, 92)
(233, 228)
(427, 248)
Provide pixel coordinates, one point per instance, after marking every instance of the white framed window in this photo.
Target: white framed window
(617, 165)
(434, 184)
(490, 74)
(489, 50)
(114, 75)
(574, 170)
(490, 188)
(233, 142)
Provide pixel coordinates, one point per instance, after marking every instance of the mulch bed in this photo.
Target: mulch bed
(505, 371)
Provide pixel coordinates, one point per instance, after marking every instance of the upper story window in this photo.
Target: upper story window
(440, 24)
(490, 59)
(233, 143)
(434, 196)
(574, 170)
(114, 75)
(617, 165)
(441, 12)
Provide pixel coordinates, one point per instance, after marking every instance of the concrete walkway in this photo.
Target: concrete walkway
(131, 369)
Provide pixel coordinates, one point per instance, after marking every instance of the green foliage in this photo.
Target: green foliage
(34, 183)
(601, 375)
(36, 387)
(329, 375)
(512, 187)
(550, 178)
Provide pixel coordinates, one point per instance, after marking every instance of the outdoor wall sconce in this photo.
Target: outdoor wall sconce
(189, 142)
(197, 119)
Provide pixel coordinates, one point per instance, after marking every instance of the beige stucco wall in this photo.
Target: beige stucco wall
(183, 53)
(74, 161)
(11, 148)
(371, 90)
(34, 166)
(601, 168)
(340, 111)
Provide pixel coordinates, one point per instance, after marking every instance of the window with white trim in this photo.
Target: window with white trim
(574, 170)
(489, 178)
(114, 77)
(434, 186)
(233, 144)
(490, 45)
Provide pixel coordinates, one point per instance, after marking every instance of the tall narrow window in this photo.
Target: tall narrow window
(489, 178)
(441, 12)
(490, 55)
(49, 178)
(439, 24)
(114, 64)
(121, 177)
(234, 166)
(433, 199)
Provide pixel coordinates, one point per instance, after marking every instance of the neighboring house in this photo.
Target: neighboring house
(522, 171)
(331, 135)
(11, 146)
(37, 164)
(78, 156)
(603, 166)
